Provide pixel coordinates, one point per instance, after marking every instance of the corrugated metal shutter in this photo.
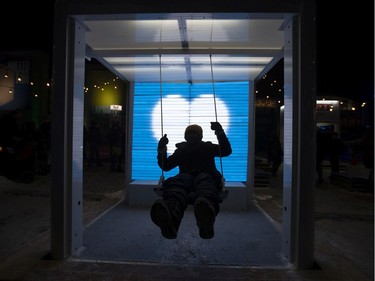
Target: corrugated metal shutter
(182, 105)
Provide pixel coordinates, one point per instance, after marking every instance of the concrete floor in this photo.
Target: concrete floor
(344, 243)
(242, 238)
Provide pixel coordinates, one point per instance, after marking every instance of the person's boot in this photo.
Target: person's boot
(161, 216)
(205, 215)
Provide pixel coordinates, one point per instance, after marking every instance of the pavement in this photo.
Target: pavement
(344, 235)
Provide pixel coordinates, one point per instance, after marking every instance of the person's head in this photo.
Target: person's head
(193, 133)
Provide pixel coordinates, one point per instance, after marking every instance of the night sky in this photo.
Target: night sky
(345, 49)
(345, 43)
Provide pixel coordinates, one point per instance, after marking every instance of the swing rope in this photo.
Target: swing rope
(224, 192)
(161, 180)
(214, 94)
(161, 97)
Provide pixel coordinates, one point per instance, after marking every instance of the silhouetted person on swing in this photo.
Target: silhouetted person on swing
(198, 181)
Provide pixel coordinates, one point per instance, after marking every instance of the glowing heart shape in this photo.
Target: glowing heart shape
(175, 113)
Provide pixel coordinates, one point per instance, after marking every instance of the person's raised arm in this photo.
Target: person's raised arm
(162, 145)
(225, 147)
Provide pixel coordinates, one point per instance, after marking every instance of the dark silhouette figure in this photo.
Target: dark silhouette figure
(115, 146)
(85, 142)
(198, 181)
(16, 149)
(44, 147)
(30, 141)
(95, 142)
(274, 153)
(11, 131)
(321, 152)
(367, 145)
(336, 149)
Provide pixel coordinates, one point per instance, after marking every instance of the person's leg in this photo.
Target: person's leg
(161, 216)
(276, 165)
(167, 213)
(206, 205)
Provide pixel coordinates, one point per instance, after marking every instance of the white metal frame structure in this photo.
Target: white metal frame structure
(78, 34)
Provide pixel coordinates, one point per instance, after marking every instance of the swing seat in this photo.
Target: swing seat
(223, 193)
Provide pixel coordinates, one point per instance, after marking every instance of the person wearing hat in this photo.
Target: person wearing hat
(198, 181)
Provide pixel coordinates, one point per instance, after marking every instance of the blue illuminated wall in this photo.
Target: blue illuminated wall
(184, 104)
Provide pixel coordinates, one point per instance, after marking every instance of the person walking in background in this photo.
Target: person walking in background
(274, 153)
(321, 152)
(336, 149)
(95, 142)
(115, 146)
(10, 126)
(85, 142)
(17, 147)
(44, 146)
(367, 145)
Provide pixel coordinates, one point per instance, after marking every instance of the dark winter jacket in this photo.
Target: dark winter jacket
(193, 158)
